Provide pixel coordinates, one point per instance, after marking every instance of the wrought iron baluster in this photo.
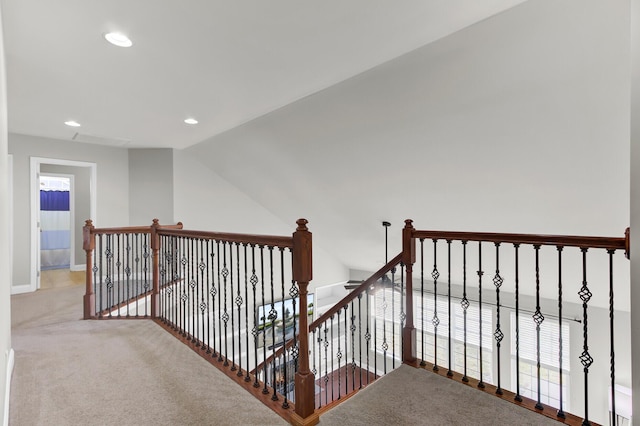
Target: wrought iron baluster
(612, 346)
(538, 318)
(302, 310)
(332, 367)
(213, 291)
(225, 314)
(204, 287)
(231, 294)
(585, 358)
(97, 278)
(516, 248)
(422, 357)
(207, 277)
(219, 271)
(194, 289)
(449, 371)
(346, 352)
(498, 334)
(264, 321)
(313, 368)
(480, 274)
(273, 316)
(435, 321)
(127, 271)
(285, 403)
(118, 274)
(393, 316)
(367, 334)
(254, 330)
(465, 305)
(326, 364)
(360, 340)
(145, 256)
(560, 412)
(247, 377)
(184, 284)
(338, 354)
(109, 277)
(353, 346)
(403, 315)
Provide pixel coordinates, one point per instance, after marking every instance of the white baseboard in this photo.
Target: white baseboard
(7, 390)
(19, 289)
(77, 268)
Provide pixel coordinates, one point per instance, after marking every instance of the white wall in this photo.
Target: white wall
(517, 123)
(203, 200)
(112, 188)
(635, 201)
(6, 356)
(150, 186)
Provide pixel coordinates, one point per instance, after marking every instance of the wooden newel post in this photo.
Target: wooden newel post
(88, 245)
(304, 413)
(409, 258)
(155, 248)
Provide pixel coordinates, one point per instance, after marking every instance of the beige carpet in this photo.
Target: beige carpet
(118, 372)
(427, 399)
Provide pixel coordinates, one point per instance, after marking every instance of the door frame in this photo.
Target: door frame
(35, 207)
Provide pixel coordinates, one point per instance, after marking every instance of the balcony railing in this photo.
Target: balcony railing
(453, 302)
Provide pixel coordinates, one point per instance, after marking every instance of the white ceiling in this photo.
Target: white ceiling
(222, 62)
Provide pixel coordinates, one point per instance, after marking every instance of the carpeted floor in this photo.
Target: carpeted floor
(117, 372)
(427, 399)
(132, 372)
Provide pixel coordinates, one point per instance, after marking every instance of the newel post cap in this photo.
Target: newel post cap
(302, 224)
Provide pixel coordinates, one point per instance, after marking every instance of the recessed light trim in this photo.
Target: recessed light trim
(191, 121)
(118, 39)
(72, 123)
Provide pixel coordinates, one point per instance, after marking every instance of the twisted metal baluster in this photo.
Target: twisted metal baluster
(393, 315)
(346, 350)
(403, 315)
(264, 322)
(538, 318)
(339, 354)
(585, 357)
(127, 271)
(465, 305)
(449, 371)
(435, 321)
(353, 345)
(367, 336)
(213, 291)
(247, 378)
(360, 339)
(231, 294)
(332, 367)
(498, 334)
(239, 301)
(480, 274)
(285, 404)
(560, 412)
(225, 314)
(194, 292)
(220, 312)
(313, 357)
(273, 316)
(206, 256)
(326, 364)
(254, 330)
(422, 357)
(612, 346)
(516, 247)
(302, 310)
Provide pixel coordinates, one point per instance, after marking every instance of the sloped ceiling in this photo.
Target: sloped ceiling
(221, 62)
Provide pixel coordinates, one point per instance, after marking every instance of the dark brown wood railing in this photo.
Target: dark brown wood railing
(495, 248)
(222, 293)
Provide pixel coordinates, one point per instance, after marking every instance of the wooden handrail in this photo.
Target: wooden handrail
(612, 243)
(356, 292)
(261, 240)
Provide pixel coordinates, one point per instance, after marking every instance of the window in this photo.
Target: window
(458, 335)
(549, 360)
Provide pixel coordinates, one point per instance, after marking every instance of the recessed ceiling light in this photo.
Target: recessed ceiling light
(72, 123)
(191, 121)
(118, 39)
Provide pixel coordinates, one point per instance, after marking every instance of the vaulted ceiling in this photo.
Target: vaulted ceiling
(223, 63)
